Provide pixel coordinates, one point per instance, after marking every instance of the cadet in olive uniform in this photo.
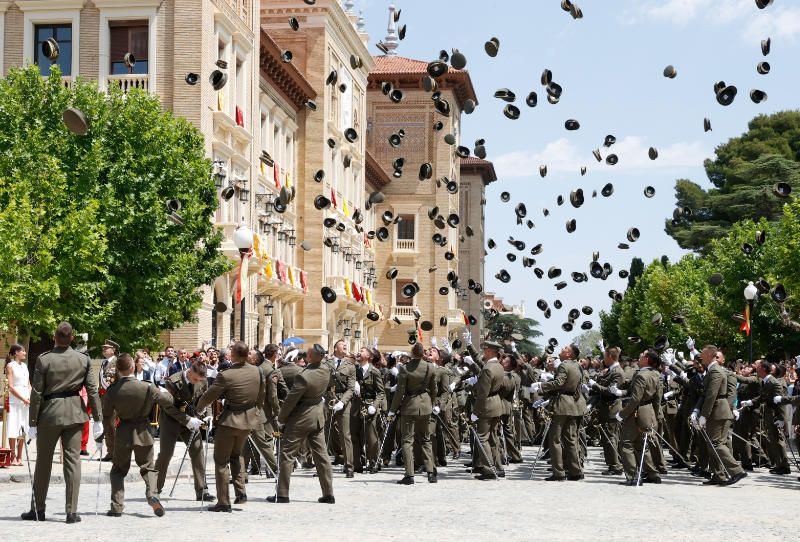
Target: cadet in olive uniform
(487, 412)
(261, 438)
(365, 406)
(132, 401)
(568, 406)
(57, 413)
(302, 418)
(343, 382)
(608, 406)
(748, 423)
(638, 417)
(107, 376)
(509, 394)
(416, 385)
(715, 419)
(243, 387)
(186, 388)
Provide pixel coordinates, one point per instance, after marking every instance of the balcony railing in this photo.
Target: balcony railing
(129, 81)
(405, 244)
(403, 312)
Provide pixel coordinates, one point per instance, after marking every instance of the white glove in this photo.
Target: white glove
(540, 403)
(471, 380)
(513, 346)
(433, 342)
(446, 345)
(681, 356)
(668, 358)
(32, 432)
(690, 344)
(467, 336)
(194, 424)
(684, 375)
(746, 403)
(592, 383)
(207, 419)
(701, 422)
(618, 417)
(694, 415)
(668, 395)
(357, 390)
(616, 391)
(338, 406)
(735, 414)
(473, 418)
(393, 388)
(601, 346)
(777, 399)
(452, 386)
(545, 377)
(436, 410)
(97, 430)
(394, 370)
(779, 424)
(371, 410)
(390, 415)
(584, 388)
(535, 387)
(468, 360)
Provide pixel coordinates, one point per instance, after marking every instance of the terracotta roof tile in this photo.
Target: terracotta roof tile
(400, 64)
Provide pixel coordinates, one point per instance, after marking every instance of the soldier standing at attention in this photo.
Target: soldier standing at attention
(108, 374)
(370, 396)
(343, 380)
(179, 422)
(568, 407)
(302, 417)
(243, 387)
(133, 400)
(416, 385)
(608, 406)
(57, 413)
(487, 412)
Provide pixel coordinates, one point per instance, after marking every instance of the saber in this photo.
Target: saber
(674, 451)
(447, 429)
(28, 462)
(489, 460)
(277, 463)
(505, 449)
(541, 445)
(99, 474)
(753, 444)
(385, 434)
(180, 467)
(641, 461)
(205, 464)
(711, 444)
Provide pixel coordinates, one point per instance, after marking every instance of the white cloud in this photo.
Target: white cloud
(561, 155)
(779, 23)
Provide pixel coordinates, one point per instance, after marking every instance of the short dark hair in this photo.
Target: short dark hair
(124, 362)
(417, 350)
(613, 352)
(240, 351)
(270, 350)
(653, 359)
(199, 368)
(63, 333)
(576, 352)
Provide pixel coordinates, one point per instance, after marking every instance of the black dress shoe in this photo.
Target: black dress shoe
(107, 458)
(432, 478)
(33, 516)
(113, 514)
(406, 481)
(780, 471)
(486, 475)
(328, 499)
(155, 504)
(219, 508)
(735, 478)
(662, 470)
(680, 465)
(555, 478)
(501, 474)
(349, 473)
(279, 499)
(206, 497)
(631, 483)
(84, 452)
(712, 482)
(468, 464)
(240, 499)
(308, 465)
(73, 518)
(254, 470)
(443, 462)
(338, 461)
(651, 480)
(575, 477)
(611, 472)
(747, 466)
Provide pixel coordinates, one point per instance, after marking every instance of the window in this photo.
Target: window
(131, 38)
(399, 299)
(63, 35)
(214, 339)
(405, 228)
(241, 92)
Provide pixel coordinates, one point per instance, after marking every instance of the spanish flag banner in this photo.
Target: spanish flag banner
(220, 101)
(347, 288)
(746, 324)
(268, 269)
(241, 281)
(344, 208)
(276, 175)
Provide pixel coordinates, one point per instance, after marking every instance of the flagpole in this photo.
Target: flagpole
(750, 327)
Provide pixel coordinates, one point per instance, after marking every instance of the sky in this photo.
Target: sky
(610, 66)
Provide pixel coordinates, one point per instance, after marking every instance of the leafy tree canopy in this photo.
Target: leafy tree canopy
(504, 325)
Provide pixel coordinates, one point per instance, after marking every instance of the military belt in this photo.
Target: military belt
(648, 402)
(417, 393)
(62, 395)
(238, 408)
(134, 421)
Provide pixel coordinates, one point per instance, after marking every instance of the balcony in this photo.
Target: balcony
(455, 318)
(403, 312)
(404, 245)
(129, 81)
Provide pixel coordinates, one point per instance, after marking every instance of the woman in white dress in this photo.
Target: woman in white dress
(19, 388)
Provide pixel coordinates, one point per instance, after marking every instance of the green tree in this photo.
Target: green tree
(742, 176)
(83, 218)
(609, 325)
(504, 326)
(587, 342)
(636, 270)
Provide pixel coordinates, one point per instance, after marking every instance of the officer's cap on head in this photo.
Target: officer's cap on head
(493, 345)
(111, 344)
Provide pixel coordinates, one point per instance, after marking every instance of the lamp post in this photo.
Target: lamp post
(750, 295)
(243, 239)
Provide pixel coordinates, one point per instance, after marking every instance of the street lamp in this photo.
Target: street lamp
(750, 295)
(243, 239)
